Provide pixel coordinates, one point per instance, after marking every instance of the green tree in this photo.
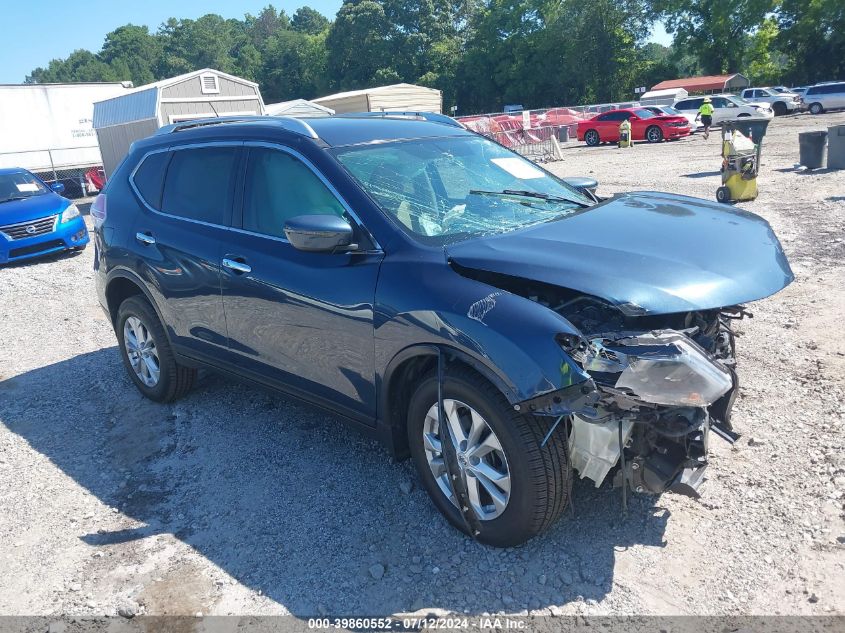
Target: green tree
(309, 21)
(812, 32)
(133, 53)
(80, 66)
(764, 63)
(714, 30)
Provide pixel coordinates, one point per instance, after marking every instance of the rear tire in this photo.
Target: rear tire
(816, 108)
(539, 477)
(723, 194)
(173, 380)
(591, 137)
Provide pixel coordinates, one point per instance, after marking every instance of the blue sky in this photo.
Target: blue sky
(40, 30)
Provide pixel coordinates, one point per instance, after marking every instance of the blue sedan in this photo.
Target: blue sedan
(34, 219)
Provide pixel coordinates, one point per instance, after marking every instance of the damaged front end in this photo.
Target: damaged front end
(660, 385)
(660, 393)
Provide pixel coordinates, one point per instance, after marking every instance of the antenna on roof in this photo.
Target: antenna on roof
(213, 109)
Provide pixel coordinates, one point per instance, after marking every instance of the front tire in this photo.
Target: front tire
(654, 134)
(147, 355)
(518, 488)
(779, 108)
(816, 108)
(591, 137)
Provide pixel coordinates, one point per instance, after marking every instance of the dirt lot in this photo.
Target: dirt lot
(236, 501)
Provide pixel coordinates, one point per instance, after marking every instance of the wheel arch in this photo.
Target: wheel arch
(401, 378)
(122, 284)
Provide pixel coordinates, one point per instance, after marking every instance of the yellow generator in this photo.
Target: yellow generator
(626, 138)
(742, 142)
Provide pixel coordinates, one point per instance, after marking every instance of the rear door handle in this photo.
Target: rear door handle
(145, 238)
(236, 266)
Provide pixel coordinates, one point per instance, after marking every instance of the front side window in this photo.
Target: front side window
(19, 185)
(199, 184)
(447, 189)
(279, 187)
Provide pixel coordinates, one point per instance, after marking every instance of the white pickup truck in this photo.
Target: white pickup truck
(781, 102)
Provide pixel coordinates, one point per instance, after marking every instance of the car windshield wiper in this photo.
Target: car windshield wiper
(13, 198)
(524, 193)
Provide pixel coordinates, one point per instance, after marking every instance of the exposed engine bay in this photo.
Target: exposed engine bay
(662, 383)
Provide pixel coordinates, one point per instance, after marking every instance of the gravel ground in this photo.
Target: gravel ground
(234, 501)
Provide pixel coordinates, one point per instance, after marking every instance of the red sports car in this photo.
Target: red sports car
(645, 126)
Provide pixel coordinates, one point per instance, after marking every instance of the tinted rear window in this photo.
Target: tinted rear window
(150, 177)
(199, 184)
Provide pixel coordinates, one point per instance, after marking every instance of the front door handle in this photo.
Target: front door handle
(145, 238)
(236, 266)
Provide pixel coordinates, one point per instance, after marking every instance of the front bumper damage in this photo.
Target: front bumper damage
(648, 411)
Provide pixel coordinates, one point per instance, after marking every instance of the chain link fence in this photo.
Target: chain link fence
(79, 169)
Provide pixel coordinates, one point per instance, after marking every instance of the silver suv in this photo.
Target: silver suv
(827, 96)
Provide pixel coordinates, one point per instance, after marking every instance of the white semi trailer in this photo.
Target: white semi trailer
(47, 129)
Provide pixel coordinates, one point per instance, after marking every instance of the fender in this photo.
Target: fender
(126, 273)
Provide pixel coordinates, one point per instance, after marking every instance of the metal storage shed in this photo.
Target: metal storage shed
(298, 108)
(139, 113)
(401, 97)
(707, 84)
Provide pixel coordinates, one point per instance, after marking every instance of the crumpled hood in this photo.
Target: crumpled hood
(646, 252)
(15, 211)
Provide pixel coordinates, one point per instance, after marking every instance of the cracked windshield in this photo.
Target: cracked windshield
(453, 188)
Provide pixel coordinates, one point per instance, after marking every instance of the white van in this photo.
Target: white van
(826, 96)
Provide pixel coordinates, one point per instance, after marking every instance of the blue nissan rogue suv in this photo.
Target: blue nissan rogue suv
(475, 312)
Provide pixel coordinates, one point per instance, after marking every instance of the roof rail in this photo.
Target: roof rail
(297, 126)
(433, 117)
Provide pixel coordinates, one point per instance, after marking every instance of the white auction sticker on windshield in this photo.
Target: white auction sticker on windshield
(26, 186)
(518, 168)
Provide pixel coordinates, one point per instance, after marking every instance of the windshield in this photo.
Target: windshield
(446, 189)
(671, 110)
(19, 185)
(737, 100)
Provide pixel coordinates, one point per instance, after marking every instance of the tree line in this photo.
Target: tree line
(482, 54)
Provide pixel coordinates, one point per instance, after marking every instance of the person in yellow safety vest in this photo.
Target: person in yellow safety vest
(705, 113)
(625, 139)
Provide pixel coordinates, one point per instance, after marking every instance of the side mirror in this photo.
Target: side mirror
(587, 186)
(634, 117)
(58, 187)
(318, 233)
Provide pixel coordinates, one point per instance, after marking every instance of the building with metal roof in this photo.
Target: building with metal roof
(708, 84)
(138, 113)
(298, 108)
(405, 97)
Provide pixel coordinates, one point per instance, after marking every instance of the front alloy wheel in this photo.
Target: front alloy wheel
(517, 484)
(654, 134)
(481, 458)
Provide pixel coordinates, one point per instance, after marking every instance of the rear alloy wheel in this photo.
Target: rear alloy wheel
(591, 137)
(816, 108)
(517, 487)
(654, 134)
(147, 355)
